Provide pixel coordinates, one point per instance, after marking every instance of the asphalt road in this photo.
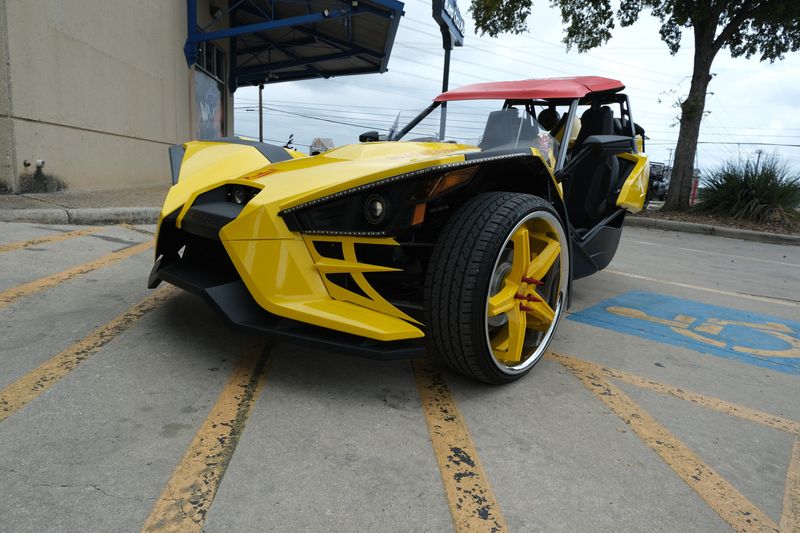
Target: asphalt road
(670, 402)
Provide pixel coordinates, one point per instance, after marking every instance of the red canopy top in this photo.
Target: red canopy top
(572, 87)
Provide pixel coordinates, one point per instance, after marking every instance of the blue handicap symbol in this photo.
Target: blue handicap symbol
(752, 338)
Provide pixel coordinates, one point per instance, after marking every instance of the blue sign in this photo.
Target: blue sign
(451, 23)
(752, 338)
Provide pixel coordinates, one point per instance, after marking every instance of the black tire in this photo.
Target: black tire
(462, 271)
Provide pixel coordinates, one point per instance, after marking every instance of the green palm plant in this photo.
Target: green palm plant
(764, 190)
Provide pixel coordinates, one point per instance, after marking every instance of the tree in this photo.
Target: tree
(768, 28)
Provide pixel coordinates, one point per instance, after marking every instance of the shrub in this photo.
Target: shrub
(763, 190)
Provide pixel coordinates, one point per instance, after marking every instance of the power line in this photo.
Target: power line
(730, 143)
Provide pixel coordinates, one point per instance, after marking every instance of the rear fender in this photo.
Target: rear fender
(633, 192)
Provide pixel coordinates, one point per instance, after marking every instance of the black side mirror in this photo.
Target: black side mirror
(369, 137)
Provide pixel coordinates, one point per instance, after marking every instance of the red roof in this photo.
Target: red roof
(573, 87)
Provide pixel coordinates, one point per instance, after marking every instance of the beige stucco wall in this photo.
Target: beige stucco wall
(100, 89)
(6, 152)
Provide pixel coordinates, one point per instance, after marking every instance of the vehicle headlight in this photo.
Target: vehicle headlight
(375, 208)
(241, 194)
(380, 208)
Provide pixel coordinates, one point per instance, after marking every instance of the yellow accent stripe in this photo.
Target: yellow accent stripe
(31, 385)
(48, 239)
(728, 408)
(740, 295)
(184, 503)
(790, 518)
(9, 295)
(721, 496)
(472, 503)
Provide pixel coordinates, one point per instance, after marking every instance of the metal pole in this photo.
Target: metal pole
(445, 83)
(260, 113)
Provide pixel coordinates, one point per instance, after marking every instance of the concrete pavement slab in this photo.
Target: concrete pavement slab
(732, 381)
(23, 231)
(334, 444)
(728, 270)
(94, 452)
(37, 328)
(22, 266)
(18, 201)
(559, 461)
(340, 443)
(753, 458)
(708, 229)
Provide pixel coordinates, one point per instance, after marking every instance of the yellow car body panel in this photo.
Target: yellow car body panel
(290, 280)
(350, 265)
(288, 284)
(633, 193)
(206, 165)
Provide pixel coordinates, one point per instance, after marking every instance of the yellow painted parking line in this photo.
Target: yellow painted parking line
(31, 385)
(48, 239)
(790, 518)
(732, 409)
(9, 295)
(138, 230)
(184, 503)
(739, 295)
(721, 496)
(472, 503)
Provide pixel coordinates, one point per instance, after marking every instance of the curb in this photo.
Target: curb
(87, 216)
(708, 229)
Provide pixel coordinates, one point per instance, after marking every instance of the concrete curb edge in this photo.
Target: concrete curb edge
(83, 216)
(708, 229)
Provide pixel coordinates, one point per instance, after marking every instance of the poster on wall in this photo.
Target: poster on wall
(209, 106)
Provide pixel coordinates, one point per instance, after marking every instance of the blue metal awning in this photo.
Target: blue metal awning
(286, 40)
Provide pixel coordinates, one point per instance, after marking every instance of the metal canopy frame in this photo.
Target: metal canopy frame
(287, 40)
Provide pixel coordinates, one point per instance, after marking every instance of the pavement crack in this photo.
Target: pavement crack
(94, 486)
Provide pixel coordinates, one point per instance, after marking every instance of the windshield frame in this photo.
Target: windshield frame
(414, 121)
(562, 149)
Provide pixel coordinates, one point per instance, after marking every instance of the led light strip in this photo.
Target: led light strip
(393, 179)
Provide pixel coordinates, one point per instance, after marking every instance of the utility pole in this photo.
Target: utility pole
(260, 113)
(758, 157)
(445, 84)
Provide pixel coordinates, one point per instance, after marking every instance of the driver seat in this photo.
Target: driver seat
(501, 129)
(588, 188)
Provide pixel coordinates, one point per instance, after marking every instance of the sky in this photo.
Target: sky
(749, 101)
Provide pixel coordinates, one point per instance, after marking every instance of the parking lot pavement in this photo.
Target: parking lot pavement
(669, 401)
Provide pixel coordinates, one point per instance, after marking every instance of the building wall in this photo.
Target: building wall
(7, 172)
(100, 90)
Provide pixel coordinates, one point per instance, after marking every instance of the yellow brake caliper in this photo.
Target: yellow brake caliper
(518, 298)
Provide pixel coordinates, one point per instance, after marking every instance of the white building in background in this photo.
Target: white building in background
(320, 144)
(92, 94)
